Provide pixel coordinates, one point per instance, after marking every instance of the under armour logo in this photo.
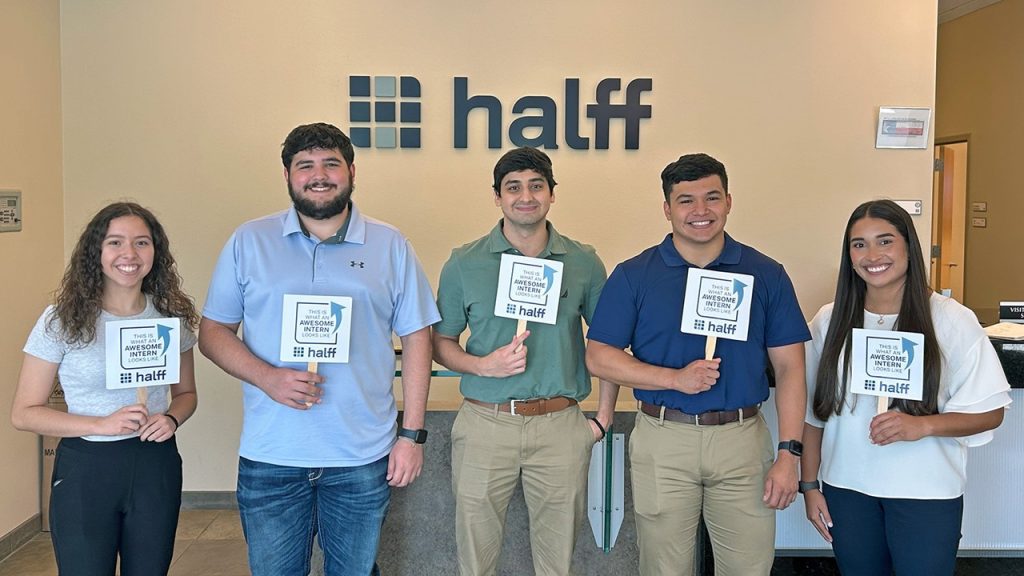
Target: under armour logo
(356, 263)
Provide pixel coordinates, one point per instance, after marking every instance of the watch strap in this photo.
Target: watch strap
(805, 487)
(418, 436)
(794, 447)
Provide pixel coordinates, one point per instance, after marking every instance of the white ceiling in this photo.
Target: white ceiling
(952, 9)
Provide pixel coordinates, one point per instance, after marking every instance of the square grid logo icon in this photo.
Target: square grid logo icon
(384, 111)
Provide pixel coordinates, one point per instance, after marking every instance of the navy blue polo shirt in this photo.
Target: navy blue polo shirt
(641, 308)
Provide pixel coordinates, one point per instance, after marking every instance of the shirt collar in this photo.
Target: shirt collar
(731, 252)
(497, 243)
(352, 230)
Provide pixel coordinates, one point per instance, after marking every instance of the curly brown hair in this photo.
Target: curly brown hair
(78, 301)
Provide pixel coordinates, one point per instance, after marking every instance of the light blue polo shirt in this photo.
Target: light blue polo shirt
(375, 265)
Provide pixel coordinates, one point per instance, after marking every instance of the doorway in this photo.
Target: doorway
(949, 219)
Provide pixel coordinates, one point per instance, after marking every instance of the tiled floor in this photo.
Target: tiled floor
(208, 542)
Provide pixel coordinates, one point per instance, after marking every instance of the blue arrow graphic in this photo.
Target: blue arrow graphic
(737, 288)
(549, 277)
(908, 348)
(336, 313)
(164, 333)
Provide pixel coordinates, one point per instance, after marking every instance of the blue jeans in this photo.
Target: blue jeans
(283, 508)
(874, 536)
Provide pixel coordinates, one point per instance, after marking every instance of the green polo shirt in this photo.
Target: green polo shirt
(555, 353)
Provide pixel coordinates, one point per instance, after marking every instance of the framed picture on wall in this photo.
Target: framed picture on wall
(903, 127)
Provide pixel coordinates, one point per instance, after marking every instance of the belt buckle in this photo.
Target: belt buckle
(512, 407)
(696, 419)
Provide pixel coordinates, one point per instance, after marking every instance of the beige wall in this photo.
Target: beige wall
(183, 105)
(979, 91)
(30, 260)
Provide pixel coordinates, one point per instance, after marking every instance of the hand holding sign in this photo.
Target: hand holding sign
(528, 289)
(894, 426)
(887, 364)
(124, 421)
(698, 376)
(293, 388)
(508, 360)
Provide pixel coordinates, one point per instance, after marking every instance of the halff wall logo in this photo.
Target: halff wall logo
(384, 117)
(384, 113)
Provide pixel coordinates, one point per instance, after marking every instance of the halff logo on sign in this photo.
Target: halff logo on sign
(887, 363)
(142, 352)
(717, 304)
(315, 328)
(524, 287)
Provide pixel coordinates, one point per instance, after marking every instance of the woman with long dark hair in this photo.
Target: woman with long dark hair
(892, 483)
(116, 486)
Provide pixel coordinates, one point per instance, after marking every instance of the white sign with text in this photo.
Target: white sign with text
(717, 304)
(142, 352)
(528, 289)
(888, 363)
(315, 328)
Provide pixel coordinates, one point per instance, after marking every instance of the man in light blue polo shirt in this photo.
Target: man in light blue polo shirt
(700, 443)
(319, 450)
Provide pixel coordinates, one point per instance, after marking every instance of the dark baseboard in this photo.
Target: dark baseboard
(16, 538)
(200, 500)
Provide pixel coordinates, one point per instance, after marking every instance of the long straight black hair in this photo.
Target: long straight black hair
(848, 313)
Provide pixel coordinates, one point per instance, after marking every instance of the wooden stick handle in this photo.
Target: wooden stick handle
(311, 367)
(883, 404)
(709, 347)
(520, 328)
(141, 395)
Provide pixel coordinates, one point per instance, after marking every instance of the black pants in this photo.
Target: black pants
(112, 498)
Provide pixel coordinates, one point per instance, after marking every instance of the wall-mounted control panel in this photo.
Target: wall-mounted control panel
(10, 210)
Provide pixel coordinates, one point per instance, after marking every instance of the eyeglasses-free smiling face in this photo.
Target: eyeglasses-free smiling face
(320, 182)
(127, 253)
(698, 210)
(525, 198)
(878, 253)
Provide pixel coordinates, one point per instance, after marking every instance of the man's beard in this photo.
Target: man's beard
(332, 208)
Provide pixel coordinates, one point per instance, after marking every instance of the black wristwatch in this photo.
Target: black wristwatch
(417, 436)
(795, 447)
(805, 487)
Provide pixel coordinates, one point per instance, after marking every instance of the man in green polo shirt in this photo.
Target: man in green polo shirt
(521, 415)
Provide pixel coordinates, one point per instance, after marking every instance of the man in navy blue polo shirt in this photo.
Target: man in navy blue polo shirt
(700, 444)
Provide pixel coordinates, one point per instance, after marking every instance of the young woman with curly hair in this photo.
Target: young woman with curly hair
(116, 486)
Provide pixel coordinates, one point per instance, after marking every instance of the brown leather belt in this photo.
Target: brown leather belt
(705, 419)
(531, 407)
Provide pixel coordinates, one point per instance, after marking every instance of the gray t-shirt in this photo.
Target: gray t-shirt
(82, 368)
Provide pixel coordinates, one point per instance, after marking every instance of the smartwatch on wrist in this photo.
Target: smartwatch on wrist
(417, 436)
(795, 447)
(805, 487)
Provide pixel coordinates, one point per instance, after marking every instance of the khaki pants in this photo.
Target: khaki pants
(490, 451)
(680, 470)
